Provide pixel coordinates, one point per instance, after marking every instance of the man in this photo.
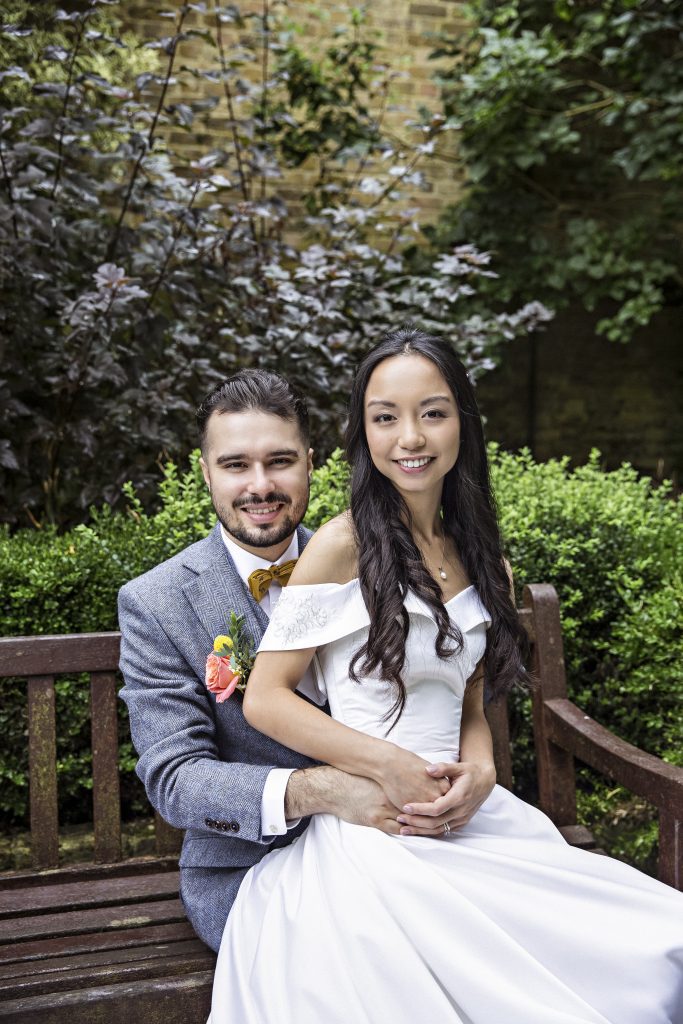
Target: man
(237, 793)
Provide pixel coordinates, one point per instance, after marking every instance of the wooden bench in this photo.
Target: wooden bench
(109, 942)
(101, 942)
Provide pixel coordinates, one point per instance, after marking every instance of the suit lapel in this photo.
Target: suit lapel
(303, 536)
(218, 589)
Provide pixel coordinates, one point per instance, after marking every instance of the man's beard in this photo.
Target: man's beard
(269, 534)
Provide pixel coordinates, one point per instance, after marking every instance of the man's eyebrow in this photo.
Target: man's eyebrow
(236, 457)
(425, 401)
(245, 457)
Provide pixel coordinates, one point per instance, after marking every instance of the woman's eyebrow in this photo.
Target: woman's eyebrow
(425, 401)
(435, 398)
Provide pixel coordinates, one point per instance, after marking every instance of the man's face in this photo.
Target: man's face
(257, 469)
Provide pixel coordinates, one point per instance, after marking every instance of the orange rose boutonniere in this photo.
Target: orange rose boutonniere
(230, 662)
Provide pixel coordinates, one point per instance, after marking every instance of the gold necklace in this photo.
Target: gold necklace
(442, 573)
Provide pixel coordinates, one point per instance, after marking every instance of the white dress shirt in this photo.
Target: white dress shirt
(273, 821)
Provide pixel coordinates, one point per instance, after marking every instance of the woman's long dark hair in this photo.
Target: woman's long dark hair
(389, 562)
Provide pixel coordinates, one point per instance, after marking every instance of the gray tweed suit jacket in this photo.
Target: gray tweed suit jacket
(202, 765)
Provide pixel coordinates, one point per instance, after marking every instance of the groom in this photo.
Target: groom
(237, 793)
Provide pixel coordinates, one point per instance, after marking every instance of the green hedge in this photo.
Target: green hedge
(606, 540)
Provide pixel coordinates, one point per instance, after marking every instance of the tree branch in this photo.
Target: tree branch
(174, 241)
(264, 86)
(69, 83)
(244, 185)
(10, 194)
(111, 249)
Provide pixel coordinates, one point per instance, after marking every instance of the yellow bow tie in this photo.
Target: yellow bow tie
(260, 579)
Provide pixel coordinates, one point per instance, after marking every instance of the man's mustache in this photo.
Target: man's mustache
(270, 499)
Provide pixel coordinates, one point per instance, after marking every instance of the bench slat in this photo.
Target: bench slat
(124, 938)
(106, 791)
(95, 920)
(66, 655)
(497, 717)
(79, 896)
(68, 978)
(49, 968)
(86, 872)
(555, 767)
(42, 755)
(670, 867)
(182, 1000)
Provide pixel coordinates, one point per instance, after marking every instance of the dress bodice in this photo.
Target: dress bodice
(333, 618)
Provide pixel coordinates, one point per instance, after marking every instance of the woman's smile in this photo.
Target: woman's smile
(413, 466)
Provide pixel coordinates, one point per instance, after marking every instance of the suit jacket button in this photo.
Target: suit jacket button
(224, 826)
(234, 826)
(208, 822)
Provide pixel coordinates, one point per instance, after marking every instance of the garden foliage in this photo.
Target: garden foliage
(136, 270)
(569, 122)
(606, 540)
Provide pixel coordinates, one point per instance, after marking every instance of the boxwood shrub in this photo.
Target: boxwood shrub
(607, 541)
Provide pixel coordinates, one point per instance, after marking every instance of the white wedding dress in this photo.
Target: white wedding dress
(500, 923)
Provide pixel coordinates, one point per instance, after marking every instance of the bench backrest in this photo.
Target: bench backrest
(39, 660)
(561, 731)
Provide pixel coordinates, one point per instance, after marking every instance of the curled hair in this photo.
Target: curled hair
(255, 389)
(387, 552)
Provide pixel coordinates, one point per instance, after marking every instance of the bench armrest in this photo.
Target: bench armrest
(643, 774)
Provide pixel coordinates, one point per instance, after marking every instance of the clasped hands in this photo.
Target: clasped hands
(410, 796)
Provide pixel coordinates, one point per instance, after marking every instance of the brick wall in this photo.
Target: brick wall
(624, 399)
(407, 34)
(587, 392)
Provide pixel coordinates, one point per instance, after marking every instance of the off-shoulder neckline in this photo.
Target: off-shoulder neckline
(294, 586)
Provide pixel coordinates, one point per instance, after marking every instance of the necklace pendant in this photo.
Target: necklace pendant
(442, 574)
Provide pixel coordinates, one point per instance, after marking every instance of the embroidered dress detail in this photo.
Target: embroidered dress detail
(295, 615)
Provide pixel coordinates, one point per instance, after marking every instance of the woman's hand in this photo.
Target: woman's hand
(470, 783)
(404, 778)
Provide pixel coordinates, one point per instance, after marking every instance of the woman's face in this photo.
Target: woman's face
(411, 423)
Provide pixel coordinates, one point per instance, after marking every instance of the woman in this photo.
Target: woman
(405, 603)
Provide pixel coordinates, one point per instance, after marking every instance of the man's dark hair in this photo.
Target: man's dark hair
(259, 390)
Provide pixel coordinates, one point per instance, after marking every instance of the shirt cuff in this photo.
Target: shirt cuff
(273, 821)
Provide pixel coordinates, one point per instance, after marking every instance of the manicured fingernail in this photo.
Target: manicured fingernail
(406, 832)
(432, 768)
(400, 820)
(408, 808)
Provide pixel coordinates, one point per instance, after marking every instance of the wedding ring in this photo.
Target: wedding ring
(446, 828)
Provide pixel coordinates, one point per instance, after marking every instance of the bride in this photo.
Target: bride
(404, 606)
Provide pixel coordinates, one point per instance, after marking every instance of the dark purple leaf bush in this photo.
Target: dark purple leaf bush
(135, 272)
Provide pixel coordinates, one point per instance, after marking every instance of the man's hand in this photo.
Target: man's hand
(470, 784)
(403, 777)
(362, 801)
(327, 790)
